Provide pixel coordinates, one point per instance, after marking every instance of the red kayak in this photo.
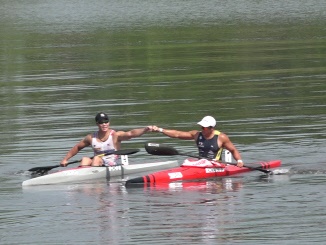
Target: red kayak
(193, 169)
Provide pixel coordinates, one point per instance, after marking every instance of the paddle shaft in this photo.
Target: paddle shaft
(119, 152)
(159, 149)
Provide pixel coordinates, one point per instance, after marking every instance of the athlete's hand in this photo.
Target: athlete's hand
(63, 163)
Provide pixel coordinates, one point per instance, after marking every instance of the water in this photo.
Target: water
(257, 66)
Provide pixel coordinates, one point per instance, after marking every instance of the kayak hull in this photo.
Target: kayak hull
(192, 173)
(91, 173)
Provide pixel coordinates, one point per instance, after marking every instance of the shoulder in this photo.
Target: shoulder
(223, 137)
(194, 133)
(216, 132)
(88, 139)
(117, 133)
(91, 135)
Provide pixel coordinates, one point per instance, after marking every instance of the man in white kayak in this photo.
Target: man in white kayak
(105, 140)
(210, 142)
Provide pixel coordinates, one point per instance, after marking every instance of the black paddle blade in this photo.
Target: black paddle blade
(41, 169)
(160, 150)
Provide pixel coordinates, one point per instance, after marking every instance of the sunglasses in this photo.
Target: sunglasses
(205, 128)
(103, 122)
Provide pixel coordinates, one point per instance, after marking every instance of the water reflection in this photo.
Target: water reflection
(162, 209)
(210, 186)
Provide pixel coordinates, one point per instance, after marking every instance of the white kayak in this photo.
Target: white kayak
(90, 173)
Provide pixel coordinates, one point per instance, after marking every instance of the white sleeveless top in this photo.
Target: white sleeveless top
(107, 146)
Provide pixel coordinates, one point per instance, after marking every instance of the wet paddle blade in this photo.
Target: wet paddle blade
(45, 169)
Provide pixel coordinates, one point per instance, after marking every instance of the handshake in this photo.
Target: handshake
(154, 128)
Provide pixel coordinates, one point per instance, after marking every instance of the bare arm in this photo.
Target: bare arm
(227, 144)
(74, 150)
(121, 135)
(184, 135)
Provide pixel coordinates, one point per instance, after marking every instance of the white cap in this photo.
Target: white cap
(207, 121)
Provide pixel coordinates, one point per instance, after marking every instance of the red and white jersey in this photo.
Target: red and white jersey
(102, 147)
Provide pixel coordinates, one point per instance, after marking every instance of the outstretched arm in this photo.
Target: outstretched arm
(121, 135)
(184, 135)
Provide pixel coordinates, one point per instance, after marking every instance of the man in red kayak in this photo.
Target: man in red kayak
(105, 140)
(210, 142)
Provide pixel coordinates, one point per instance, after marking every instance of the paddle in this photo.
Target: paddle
(48, 168)
(165, 150)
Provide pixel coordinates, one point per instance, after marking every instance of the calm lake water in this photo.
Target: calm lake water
(258, 67)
